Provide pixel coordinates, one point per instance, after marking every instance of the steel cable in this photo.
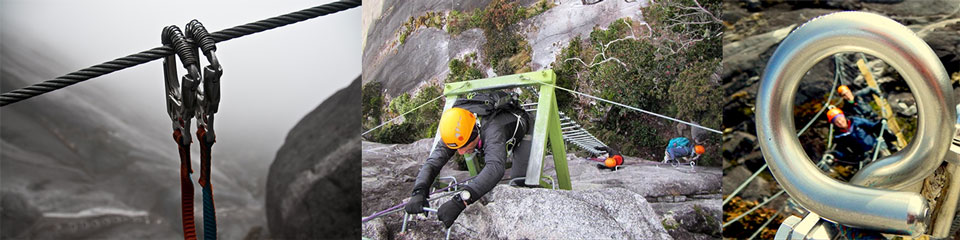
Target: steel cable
(163, 51)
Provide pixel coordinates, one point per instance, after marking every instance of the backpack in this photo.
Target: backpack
(487, 104)
(678, 142)
(492, 103)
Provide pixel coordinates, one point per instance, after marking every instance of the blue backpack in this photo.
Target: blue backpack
(678, 142)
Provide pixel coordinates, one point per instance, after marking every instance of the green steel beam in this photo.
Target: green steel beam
(546, 124)
(540, 130)
(508, 81)
(559, 149)
(472, 165)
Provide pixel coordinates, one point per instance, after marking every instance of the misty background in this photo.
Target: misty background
(271, 80)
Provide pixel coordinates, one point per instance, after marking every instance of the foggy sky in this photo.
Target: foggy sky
(271, 79)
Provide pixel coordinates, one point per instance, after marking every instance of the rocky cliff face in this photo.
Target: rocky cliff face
(643, 200)
(312, 187)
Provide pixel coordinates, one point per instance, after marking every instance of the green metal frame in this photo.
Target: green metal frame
(546, 127)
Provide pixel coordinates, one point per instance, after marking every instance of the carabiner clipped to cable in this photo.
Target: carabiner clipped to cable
(208, 102)
(180, 106)
(184, 101)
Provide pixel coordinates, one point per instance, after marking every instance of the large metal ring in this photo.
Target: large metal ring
(872, 207)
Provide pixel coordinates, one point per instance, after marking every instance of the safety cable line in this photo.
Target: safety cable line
(401, 115)
(163, 51)
(836, 79)
(634, 108)
(820, 163)
(764, 226)
(754, 208)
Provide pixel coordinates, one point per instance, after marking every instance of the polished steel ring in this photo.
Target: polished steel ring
(872, 200)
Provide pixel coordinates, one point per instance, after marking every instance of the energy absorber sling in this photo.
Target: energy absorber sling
(185, 101)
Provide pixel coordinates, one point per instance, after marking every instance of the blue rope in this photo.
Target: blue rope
(209, 215)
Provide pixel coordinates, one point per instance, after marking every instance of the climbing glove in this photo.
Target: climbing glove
(450, 210)
(417, 202)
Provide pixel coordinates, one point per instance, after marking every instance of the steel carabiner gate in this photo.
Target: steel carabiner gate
(185, 101)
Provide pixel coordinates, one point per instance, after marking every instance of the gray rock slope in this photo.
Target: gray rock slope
(641, 201)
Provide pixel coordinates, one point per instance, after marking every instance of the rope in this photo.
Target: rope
(635, 109)
(401, 115)
(163, 51)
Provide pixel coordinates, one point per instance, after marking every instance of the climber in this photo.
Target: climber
(612, 160)
(854, 103)
(489, 125)
(680, 148)
(856, 137)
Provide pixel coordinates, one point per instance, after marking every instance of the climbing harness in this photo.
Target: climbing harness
(186, 101)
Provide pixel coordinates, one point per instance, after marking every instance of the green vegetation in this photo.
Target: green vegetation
(430, 19)
(463, 70)
(751, 222)
(418, 124)
(505, 50)
(668, 226)
(371, 96)
(421, 123)
(668, 69)
(499, 14)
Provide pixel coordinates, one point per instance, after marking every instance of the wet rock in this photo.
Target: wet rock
(693, 219)
(311, 187)
(737, 144)
(757, 189)
(903, 104)
(18, 215)
(944, 38)
(914, 11)
(744, 55)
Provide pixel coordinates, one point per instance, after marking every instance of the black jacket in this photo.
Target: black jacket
(859, 107)
(495, 131)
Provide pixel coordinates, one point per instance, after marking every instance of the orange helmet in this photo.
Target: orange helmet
(833, 113)
(842, 88)
(456, 127)
(699, 149)
(610, 162)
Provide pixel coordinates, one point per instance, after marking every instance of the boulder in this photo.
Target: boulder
(311, 187)
(521, 213)
(604, 204)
